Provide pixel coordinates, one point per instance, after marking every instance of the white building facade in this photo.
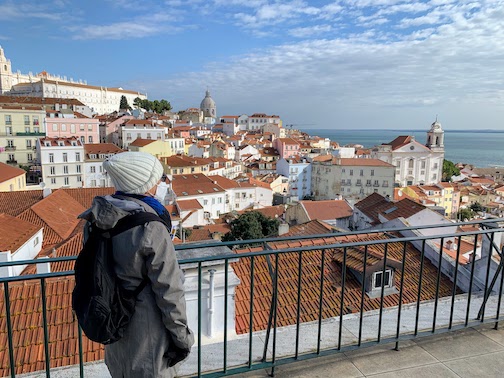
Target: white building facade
(416, 164)
(299, 173)
(62, 161)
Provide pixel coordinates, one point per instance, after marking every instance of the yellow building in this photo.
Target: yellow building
(12, 178)
(443, 194)
(158, 148)
(20, 127)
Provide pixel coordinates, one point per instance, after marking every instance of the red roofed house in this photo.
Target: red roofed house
(416, 164)
(95, 155)
(336, 213)
(286, 147)
(11, 178)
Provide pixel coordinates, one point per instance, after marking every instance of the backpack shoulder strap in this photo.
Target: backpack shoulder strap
(133, 220)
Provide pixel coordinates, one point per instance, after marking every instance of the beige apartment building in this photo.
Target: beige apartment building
(355, 178)
(20, 127)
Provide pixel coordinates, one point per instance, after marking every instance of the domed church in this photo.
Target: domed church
(208, 108)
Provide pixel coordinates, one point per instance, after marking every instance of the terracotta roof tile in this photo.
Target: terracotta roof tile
(14, 232)
(310, 275)
(59, 211)
(85, 196)
(8, 172)
(323, 210)
(139, 142)
(190, 204)
(14, 203)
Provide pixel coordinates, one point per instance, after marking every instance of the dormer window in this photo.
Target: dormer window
(378, 280)
(61, 144)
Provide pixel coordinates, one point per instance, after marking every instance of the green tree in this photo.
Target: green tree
(449, 170)
(476, 207)
(124, 103)
(252, 225)
(465, 214)
(137, 102)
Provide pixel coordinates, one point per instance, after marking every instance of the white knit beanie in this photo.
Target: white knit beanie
(133, 172)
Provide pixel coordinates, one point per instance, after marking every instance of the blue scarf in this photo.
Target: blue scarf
(151, 201)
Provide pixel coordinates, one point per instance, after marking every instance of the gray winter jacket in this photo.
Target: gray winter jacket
(160, 319)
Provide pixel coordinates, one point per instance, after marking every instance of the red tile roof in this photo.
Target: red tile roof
(59, 211)
(14, 203)
(324, 210)
(139, 142)
(310, 278)
(313, 227)
(15, 232)
(101, 148)
(8, 172)
(189, 204)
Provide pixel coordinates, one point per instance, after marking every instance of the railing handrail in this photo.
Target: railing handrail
(265, 252)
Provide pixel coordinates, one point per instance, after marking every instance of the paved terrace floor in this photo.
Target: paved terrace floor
(469, 352)
(472, 352)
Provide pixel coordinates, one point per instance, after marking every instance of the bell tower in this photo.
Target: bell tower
(5, 73)
(435, 137)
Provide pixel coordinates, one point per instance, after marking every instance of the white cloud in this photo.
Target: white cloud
(370, 77)
(10, 11)
(310, 31)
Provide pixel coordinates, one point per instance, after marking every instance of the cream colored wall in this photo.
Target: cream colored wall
(18, 183)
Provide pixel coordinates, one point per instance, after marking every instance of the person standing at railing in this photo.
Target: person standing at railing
(157, 337)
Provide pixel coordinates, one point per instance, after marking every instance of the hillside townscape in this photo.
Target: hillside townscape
(228, 177)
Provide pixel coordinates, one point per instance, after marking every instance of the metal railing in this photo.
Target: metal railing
(468, 292)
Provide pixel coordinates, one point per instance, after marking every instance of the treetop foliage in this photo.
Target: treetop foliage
(252, 225)
(158, 106)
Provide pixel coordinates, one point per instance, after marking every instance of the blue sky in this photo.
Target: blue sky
(322, 64)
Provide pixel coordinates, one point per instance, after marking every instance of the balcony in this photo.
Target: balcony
(298, 308)
(10, 148)
(11, 161)
(30, 134)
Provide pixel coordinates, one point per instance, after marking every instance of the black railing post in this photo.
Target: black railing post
(454, 287)
(44, 324)
(438, 282)
(401, 287)
(199, 318)
(382, 291)
(363, 293)
(342, 303)
(251, 315)
(226, 283)
(471, 280)
(298, 309)
(9, 330)
(321, 300)
(419, 294)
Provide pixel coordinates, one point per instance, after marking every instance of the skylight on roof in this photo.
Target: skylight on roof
(215, 189)
(388, 211)
(184, 194)
(200, 191)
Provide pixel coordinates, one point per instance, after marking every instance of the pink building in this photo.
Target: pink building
(286, 147)
(67, 124)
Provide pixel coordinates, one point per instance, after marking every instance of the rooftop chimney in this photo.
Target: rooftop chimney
(44, 267)
(283, 228)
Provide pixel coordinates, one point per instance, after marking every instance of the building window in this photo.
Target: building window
(378, 280)
(82, 139)
(385, 183)
(8, 119)
(55, 127)
(30, 157)
(53, 180)
(36, 130)
(351, 172)
(78, 168)
(90, 139)
(35, 121)
(93, 183)
(51, 158)
(63, 127)
(53, 170)
(10, 143)
(376, 183)
(372, 172)
(79, 178)
(65, 157)
(92, 169)
(435, 166)
(368, 182)
(26, 120)
(362, 172)
(423, 164)
(65, 169)
(205, 202)
(90, 127)
(77, 156)
(81, 127)
(27, 129)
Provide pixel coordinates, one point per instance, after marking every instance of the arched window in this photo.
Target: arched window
(437, 140)
(410, 163)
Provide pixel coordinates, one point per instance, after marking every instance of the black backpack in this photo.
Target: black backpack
(102, 306)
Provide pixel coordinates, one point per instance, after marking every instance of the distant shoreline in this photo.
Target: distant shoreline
(486, 131)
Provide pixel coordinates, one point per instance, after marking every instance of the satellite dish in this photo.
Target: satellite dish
(42, 184)
(399, 193)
